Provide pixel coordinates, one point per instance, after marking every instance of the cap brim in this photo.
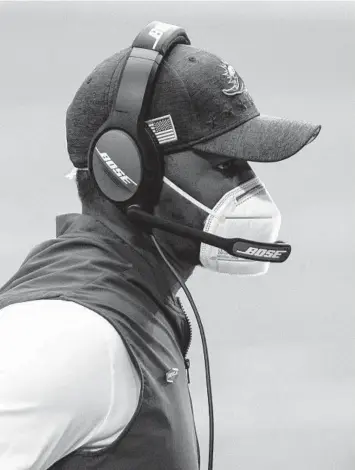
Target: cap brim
(262, 139)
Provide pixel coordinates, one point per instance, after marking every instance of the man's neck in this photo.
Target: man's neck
(131, 232)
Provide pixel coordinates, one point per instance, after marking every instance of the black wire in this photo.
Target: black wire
(205, 352)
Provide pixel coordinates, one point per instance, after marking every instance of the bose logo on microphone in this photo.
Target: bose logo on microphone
(117, 171)
(262, 253)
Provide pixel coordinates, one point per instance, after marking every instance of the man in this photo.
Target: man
(93, 340)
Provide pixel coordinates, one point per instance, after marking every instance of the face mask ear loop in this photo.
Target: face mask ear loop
(191, 199)
(72, 174)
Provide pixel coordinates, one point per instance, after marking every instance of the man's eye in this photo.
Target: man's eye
(225, 167)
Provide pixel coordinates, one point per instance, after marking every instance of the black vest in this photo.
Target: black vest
(112, 271)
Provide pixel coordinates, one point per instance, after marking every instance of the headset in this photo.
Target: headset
(127, 164)
(124, 156)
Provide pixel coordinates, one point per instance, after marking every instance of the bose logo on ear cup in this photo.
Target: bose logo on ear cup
(114, 168)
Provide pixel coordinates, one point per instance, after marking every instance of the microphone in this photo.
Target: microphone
(239, 247)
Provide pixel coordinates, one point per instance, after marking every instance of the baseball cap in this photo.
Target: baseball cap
(210, 109)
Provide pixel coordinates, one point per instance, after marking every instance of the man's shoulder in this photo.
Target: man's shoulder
(61, 344)
(60, 361)
(78, 327)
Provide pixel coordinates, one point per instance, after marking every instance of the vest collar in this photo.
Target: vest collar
(138, 241)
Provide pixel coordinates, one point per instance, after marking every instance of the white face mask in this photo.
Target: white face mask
(246, 211)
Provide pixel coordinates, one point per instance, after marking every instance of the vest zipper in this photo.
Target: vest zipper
(187, 367)
(186, 360)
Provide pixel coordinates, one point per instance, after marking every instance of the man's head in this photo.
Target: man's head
(216, 122)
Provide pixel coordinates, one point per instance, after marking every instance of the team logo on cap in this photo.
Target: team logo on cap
(236, 82)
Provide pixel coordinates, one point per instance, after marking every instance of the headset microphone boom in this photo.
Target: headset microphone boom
(239, 247)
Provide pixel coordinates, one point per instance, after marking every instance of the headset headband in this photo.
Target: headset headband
(165, 37)
(136, 84)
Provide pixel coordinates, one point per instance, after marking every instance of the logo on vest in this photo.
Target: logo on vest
(171, 375)
(236, 82)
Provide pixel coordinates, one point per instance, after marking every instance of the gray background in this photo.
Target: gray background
(281, 346)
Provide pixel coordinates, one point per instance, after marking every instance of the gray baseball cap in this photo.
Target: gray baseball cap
(208, 103)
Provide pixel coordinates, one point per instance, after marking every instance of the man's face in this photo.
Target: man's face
(203, 178)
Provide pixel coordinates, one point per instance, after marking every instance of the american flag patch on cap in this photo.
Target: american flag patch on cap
(163, 129)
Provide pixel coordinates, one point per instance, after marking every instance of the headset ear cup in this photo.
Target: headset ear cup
(116, 166)
(125, 173)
